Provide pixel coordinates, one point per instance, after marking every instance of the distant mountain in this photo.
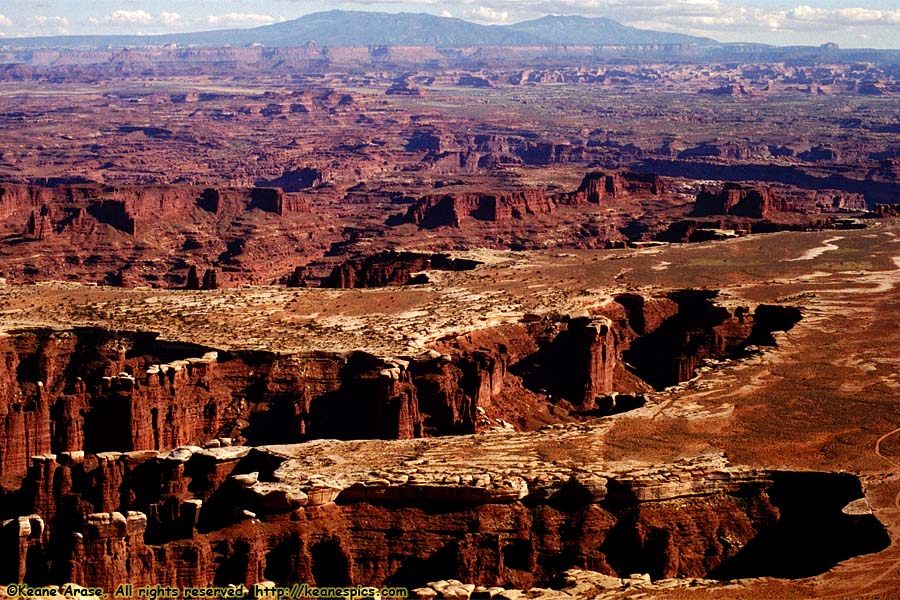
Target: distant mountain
(581, 31)
(357, 28)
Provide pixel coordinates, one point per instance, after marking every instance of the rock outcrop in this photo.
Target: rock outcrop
(346, 513)
(698, 329)
(738, 200)
(452, 210)
(886, 211)
(392, 268)
(97, 391)
(100, 391)
(766, 202)
(597, 186)
(152, 234)
(122, 206)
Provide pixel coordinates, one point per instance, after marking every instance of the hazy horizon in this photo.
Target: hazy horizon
(869, 24)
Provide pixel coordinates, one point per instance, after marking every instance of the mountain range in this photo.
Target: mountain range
(359, 28)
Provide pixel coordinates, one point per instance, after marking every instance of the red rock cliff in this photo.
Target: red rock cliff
(454, 209)
(738, 200)
(342, 513)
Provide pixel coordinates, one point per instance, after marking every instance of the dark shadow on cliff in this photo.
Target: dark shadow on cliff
(562, 364)
(330, 564)
(702, 329)
(417, 571)
(874, 191)
(813, 534)
(664, 356)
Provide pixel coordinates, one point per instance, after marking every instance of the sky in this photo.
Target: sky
(851, 23)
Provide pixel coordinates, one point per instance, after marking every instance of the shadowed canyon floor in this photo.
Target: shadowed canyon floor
(823, 400)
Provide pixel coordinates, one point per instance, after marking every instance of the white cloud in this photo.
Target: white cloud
(173, 20)
(446, 13)
(50, 25)
(238, 19)
(51, 21)
(4, 20)
(129, 17)
(844, 16)
(124, 17)
(701, 17)
(485, 14)
(706, 17)
(405, 3)
(169, 18)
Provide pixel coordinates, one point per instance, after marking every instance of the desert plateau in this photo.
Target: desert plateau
(396, 302)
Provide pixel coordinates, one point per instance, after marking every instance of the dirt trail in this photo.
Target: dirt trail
(854, 592)
(881, 440)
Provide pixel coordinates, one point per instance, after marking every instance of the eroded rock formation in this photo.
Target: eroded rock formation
(392, 268)
(738, 200)
(122, 206)
(597, 186)
(96, 391)
(341, 513)
(453, 209)
(151, 235)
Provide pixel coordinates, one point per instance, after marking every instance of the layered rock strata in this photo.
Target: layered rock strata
(391, 268)
(152, 235)
(454, 209)
(94, 390)
(739, 200)
(491, 509)
(126, 204)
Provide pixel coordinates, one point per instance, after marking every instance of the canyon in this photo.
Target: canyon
(197, 517)
(229, 492)
(497, 321)
(67, 391)
(182, 236)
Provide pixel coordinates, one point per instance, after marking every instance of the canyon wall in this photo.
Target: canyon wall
(131, 459)
(390, 268)
(738, 200)
(123, 206)
(454, 209)
(153, 234)
(99, 391)
(195, 517)
(597, 186)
